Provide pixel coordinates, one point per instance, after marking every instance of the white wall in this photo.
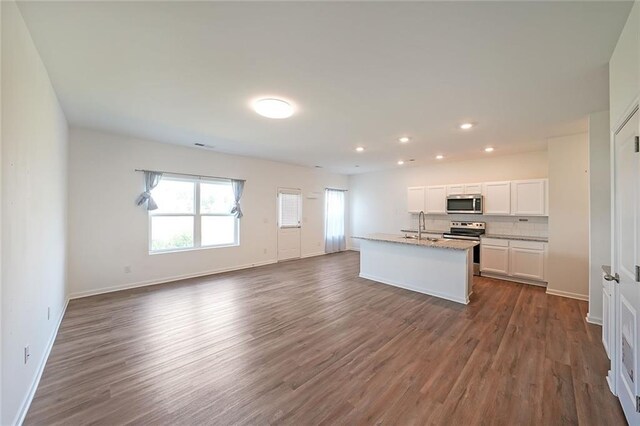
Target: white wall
(599, 209)
(34, 157)
(1, 212)
(624, 69)
(379, 200)
(108, 231)
(568, 260)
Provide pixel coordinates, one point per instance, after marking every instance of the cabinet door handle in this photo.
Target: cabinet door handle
(610, 277)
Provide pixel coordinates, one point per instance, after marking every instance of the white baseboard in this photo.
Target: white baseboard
(593, 320)
(318, 253)
(611, 382)
(26, 403)
(80, 294)
(568, 294)
(513, 279)
(409, 287)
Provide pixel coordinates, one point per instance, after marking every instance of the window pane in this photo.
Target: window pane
(218, 230)
(289, 210)
(171, 232)
(216, 198)
(174, 196)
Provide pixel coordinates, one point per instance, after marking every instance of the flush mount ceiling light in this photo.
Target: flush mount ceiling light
(404, 139)
(273, 108)
(466, 126)
(439, 157)
(488, 149)
(360, 149)
(400, 162)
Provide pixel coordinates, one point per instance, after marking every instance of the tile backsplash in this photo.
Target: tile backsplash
(534, 226)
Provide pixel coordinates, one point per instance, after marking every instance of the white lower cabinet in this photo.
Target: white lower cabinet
(527, 259)
(515, 259)
(494, 257)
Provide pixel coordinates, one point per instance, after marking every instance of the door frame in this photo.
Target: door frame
(612, 374)
(278, 190)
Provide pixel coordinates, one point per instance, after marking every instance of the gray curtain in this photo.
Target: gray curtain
(237, 186)
(334, 238)
(151, 180)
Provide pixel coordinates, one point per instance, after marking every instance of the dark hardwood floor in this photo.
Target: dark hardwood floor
(308, 342)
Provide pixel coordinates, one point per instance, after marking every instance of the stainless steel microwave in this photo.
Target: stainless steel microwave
(464, 203)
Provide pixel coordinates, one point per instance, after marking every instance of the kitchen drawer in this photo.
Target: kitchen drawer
(530, 245)
(495, 242)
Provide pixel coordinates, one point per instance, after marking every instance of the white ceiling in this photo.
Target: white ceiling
(359, 74)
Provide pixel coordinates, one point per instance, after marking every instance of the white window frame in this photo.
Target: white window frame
(197, 219)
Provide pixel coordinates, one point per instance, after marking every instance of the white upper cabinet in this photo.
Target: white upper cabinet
(497, 198)
(415, 199)
(467, 188)
(473, 188)
(455, 189)
(529, 197)
(436, 199)
(507, 198)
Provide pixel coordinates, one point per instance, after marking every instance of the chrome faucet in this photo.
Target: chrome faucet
(421, 224)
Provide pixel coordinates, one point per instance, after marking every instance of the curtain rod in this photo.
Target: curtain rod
(188, 174)
(337, 189)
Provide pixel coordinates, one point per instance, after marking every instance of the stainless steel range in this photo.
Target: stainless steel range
(468, 231)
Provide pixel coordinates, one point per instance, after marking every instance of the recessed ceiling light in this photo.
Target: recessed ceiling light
(488, 149)
(439, 157)
(400, 162)
(466, 126)
(273, 108)
(404, 139)
(360, 149)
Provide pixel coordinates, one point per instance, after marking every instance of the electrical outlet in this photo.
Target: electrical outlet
(127, 269)
(264, 251)
(48, 312)
(27, 354)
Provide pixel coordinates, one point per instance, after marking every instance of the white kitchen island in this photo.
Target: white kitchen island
(441, 268)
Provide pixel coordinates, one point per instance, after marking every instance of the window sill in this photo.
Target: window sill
(153, 253)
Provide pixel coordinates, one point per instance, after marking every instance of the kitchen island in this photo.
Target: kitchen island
(437, 267)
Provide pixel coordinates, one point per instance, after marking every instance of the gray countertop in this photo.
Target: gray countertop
(442, 243)
(517, 237)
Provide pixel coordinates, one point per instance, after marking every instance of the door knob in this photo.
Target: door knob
(610, 277)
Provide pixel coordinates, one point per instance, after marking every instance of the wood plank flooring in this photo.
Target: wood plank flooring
(308, 342)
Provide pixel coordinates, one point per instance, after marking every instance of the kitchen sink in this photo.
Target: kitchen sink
(415, 237)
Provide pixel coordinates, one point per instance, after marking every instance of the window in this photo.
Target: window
(192, 213)
(290, 209)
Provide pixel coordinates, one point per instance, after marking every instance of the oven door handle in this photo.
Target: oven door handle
(460, 237)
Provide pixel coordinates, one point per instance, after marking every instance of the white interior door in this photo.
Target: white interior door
(289, 222)
(626, 257)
